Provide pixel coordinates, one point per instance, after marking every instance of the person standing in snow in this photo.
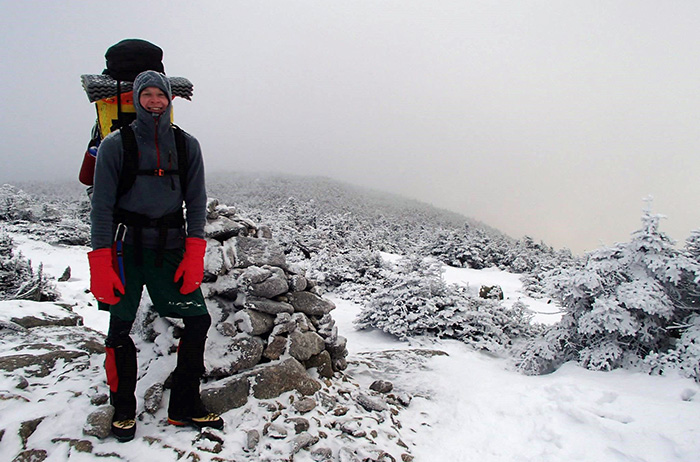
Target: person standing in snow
(161, 250)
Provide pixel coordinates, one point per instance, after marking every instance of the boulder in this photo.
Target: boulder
(304, 405)
(338, 349)
(326, 328)
(272, 284)
(300, 424)
(371, 403)
(340, 364)
(243, 252)
(242, 352)
(284, 324)
(227, 328)
(225, 286)
(264, 232)
(214, 258)
(66, 275)
(323, 364)
(310, 303)
(8, 327)
(267, 381)
(254, 275)
(31, 455)
(30, 314)
(253, 322)
(229, 394)
(381, 386)
(27, 429)
(491, 292)
(297, 283)
(323, 454)
(274, 379)
(252, 439)
(276, 347)
(70, 337)
(303, 323)
(223, 228)
(268, 306)
(275, 431)
(303, 441)
(152, 398)
(99, 422)
(304, 345)
(38, 365)
(212, 212)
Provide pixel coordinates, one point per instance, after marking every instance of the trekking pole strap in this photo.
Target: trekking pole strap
(119, 245)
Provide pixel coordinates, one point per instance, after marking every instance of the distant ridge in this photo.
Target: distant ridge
(329, 195)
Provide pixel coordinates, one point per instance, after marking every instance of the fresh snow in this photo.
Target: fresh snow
(545, 311)
(466, 405)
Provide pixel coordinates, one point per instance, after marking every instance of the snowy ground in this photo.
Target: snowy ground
(469, 406)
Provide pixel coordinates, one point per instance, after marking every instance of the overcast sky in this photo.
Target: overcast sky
(552, 119)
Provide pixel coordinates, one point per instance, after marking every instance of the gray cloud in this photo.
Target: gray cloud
(552, 119)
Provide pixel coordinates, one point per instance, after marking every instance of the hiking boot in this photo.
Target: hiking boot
(207, 419)
(124, 429)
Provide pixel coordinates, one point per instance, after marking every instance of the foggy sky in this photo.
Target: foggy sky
(552, 119)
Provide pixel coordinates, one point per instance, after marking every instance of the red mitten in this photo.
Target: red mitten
(191, 268)
(103, 279)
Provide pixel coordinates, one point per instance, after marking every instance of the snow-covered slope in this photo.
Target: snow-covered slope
(466, 405)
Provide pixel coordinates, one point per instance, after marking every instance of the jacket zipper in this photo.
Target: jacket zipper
(157, 122)
(170, 160)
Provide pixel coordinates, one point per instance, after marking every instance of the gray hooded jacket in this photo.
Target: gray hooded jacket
(152, 196)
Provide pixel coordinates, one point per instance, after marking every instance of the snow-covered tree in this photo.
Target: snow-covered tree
(692, 245)
(18, 280)
(55, 216)
(15, 204)
(416, 301)
(620, 306)
(684, 357)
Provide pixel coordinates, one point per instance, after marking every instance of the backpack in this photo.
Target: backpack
(112, 93)
(130, 57)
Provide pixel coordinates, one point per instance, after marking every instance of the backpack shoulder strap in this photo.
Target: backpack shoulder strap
(183, 161)
(130, 165)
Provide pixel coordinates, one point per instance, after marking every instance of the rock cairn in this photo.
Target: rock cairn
(272, 326)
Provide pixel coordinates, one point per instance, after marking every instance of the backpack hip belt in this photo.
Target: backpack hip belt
(137, 221)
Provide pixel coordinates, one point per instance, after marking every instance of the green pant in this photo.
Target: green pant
(165, 294)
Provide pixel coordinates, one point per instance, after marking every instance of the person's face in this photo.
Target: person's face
(154, 100)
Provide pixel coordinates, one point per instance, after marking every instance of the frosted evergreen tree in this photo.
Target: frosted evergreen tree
(15, 204)
(685, 356)
(416, 301)
(692, 248)
(18, 280)
(692, 245)
(622, 305)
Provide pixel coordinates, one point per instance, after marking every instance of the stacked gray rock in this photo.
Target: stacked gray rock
(267, 313)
